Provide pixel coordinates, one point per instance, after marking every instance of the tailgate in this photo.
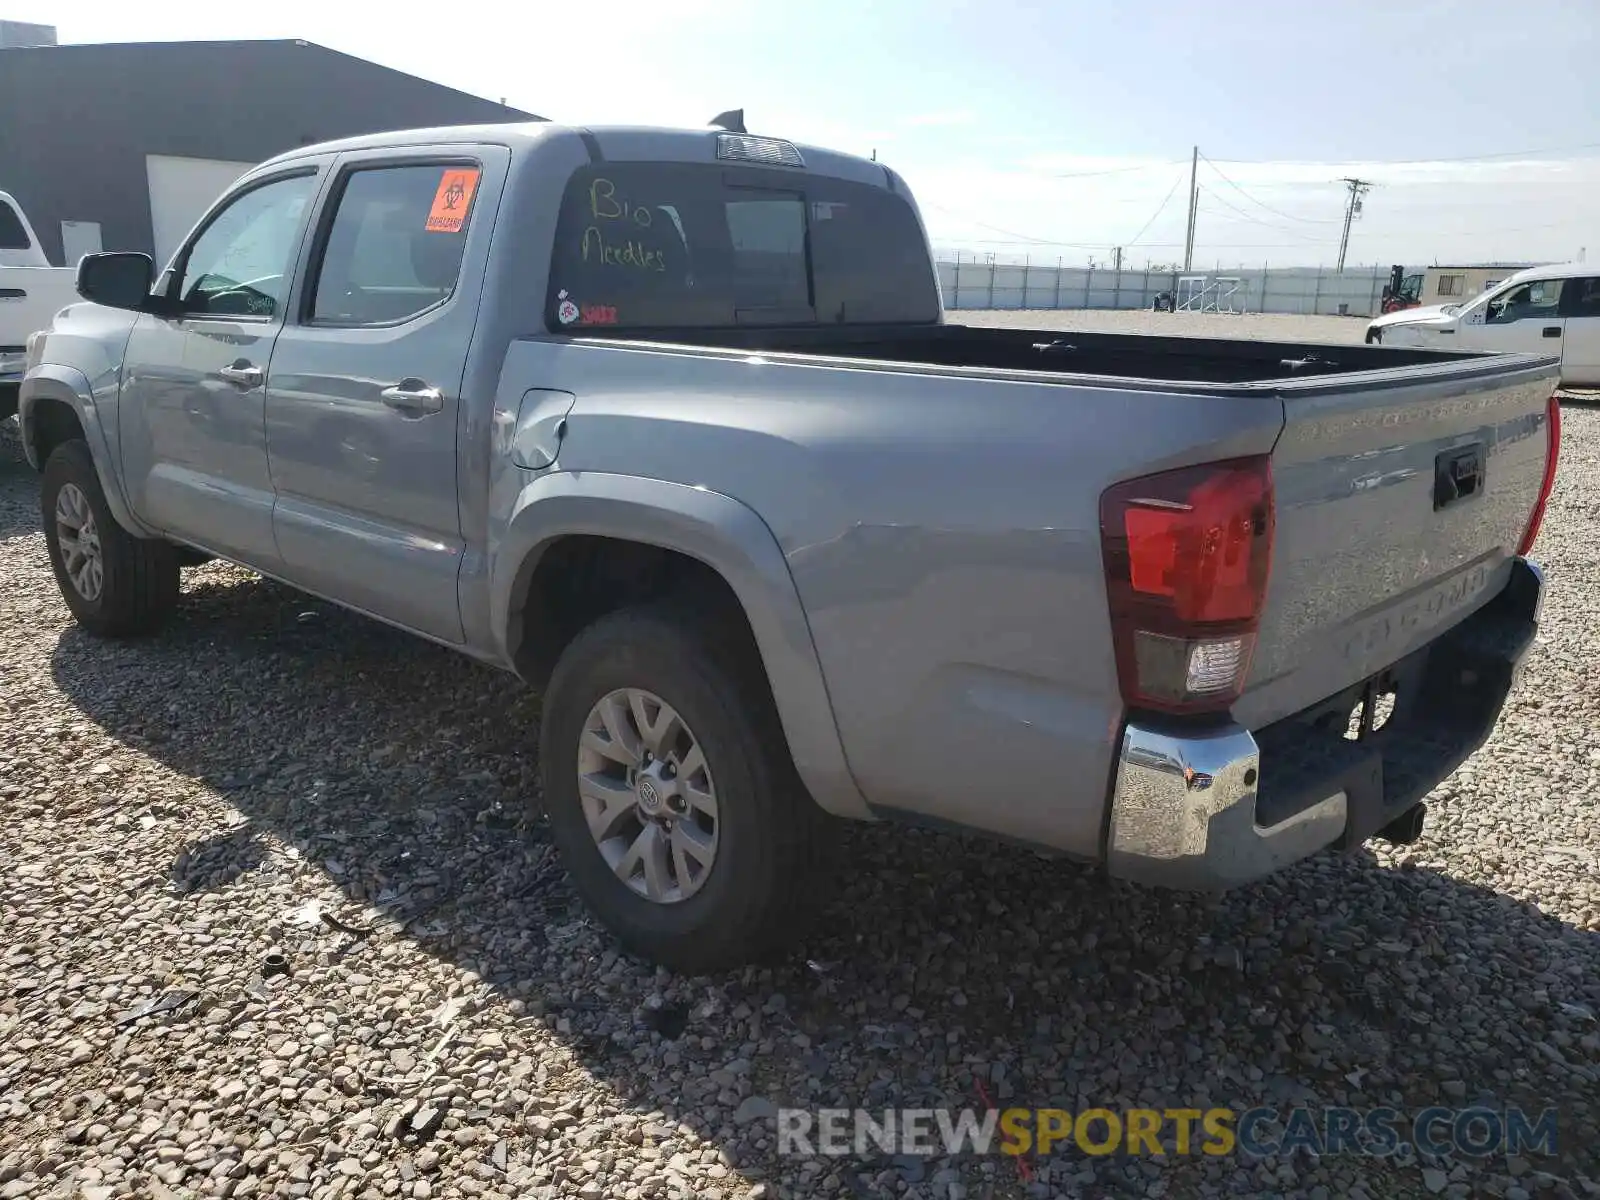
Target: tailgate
(1401, 500)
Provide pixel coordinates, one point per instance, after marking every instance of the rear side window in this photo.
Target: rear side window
(12, 235)
(767, 234)
(673, 245)
(1582, 297)
(394, 249)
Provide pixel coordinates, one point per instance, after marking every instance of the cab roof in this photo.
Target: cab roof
(1553, 271)
(613, 142)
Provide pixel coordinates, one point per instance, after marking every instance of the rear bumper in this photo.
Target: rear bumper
(1210, 809)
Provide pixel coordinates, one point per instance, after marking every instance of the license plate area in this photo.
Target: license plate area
(1446, 698)
(1458, 475)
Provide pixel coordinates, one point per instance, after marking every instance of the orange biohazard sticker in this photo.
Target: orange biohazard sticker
(452, 200)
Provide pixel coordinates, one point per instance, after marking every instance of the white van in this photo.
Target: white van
(1546, 310)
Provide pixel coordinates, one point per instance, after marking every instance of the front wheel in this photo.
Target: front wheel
(670, 793)
(116, 584)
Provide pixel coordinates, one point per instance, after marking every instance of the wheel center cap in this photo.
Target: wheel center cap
(649, 794)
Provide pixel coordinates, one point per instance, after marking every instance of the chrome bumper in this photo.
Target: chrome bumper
(1184, 813)
(1184, 807)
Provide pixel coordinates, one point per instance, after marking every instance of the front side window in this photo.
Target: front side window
(239, 266)
(1527, 301)
(677, 245)
(394, 248)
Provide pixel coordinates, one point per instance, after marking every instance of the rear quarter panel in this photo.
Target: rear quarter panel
(943, 533)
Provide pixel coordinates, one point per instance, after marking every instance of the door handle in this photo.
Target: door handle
(413, 396)
(1552, 331)
(242, 373)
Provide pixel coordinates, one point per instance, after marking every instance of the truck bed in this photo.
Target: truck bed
(937, 492)
(1182, 360)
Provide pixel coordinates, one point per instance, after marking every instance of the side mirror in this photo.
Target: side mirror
(117, 280)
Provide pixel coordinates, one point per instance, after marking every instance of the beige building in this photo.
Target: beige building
(1457, 285)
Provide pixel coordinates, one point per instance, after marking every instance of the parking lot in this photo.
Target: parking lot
(273, 776)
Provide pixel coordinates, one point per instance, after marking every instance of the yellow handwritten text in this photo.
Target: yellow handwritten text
(624, 254)
(605, 206)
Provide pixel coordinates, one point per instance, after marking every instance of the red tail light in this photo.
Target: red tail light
(1187, 554)
(1551, 454)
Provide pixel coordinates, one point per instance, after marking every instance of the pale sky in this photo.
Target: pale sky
(1055, 128)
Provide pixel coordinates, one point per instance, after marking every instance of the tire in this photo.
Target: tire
(750, 900)
(137, 578)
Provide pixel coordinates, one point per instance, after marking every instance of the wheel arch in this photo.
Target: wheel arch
(57, 403)
(725, 538)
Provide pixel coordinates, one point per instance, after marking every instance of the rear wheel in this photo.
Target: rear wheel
(670, 792)
(116, 584)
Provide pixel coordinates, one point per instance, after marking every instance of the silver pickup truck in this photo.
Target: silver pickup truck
(670, 424)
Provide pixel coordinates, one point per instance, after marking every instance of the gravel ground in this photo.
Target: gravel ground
(272, 776)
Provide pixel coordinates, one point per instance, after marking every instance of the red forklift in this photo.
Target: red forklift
(1402, 291)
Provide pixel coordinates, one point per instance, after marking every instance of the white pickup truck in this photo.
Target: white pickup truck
(31, 292)
(1543, 310)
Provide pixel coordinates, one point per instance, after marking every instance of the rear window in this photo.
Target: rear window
(642, 245)
(12, 235)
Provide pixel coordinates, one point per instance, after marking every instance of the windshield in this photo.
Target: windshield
(676, 244)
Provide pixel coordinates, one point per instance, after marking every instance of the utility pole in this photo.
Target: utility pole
(1358, 188)
(1194, 203)
(1118, 252)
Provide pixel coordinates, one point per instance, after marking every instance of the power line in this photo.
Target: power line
(1262, 203)
(1298, 234)
(1112, 171)
(1161, 208)
(1010, 233)
(1358, 187)
(1405, 162)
